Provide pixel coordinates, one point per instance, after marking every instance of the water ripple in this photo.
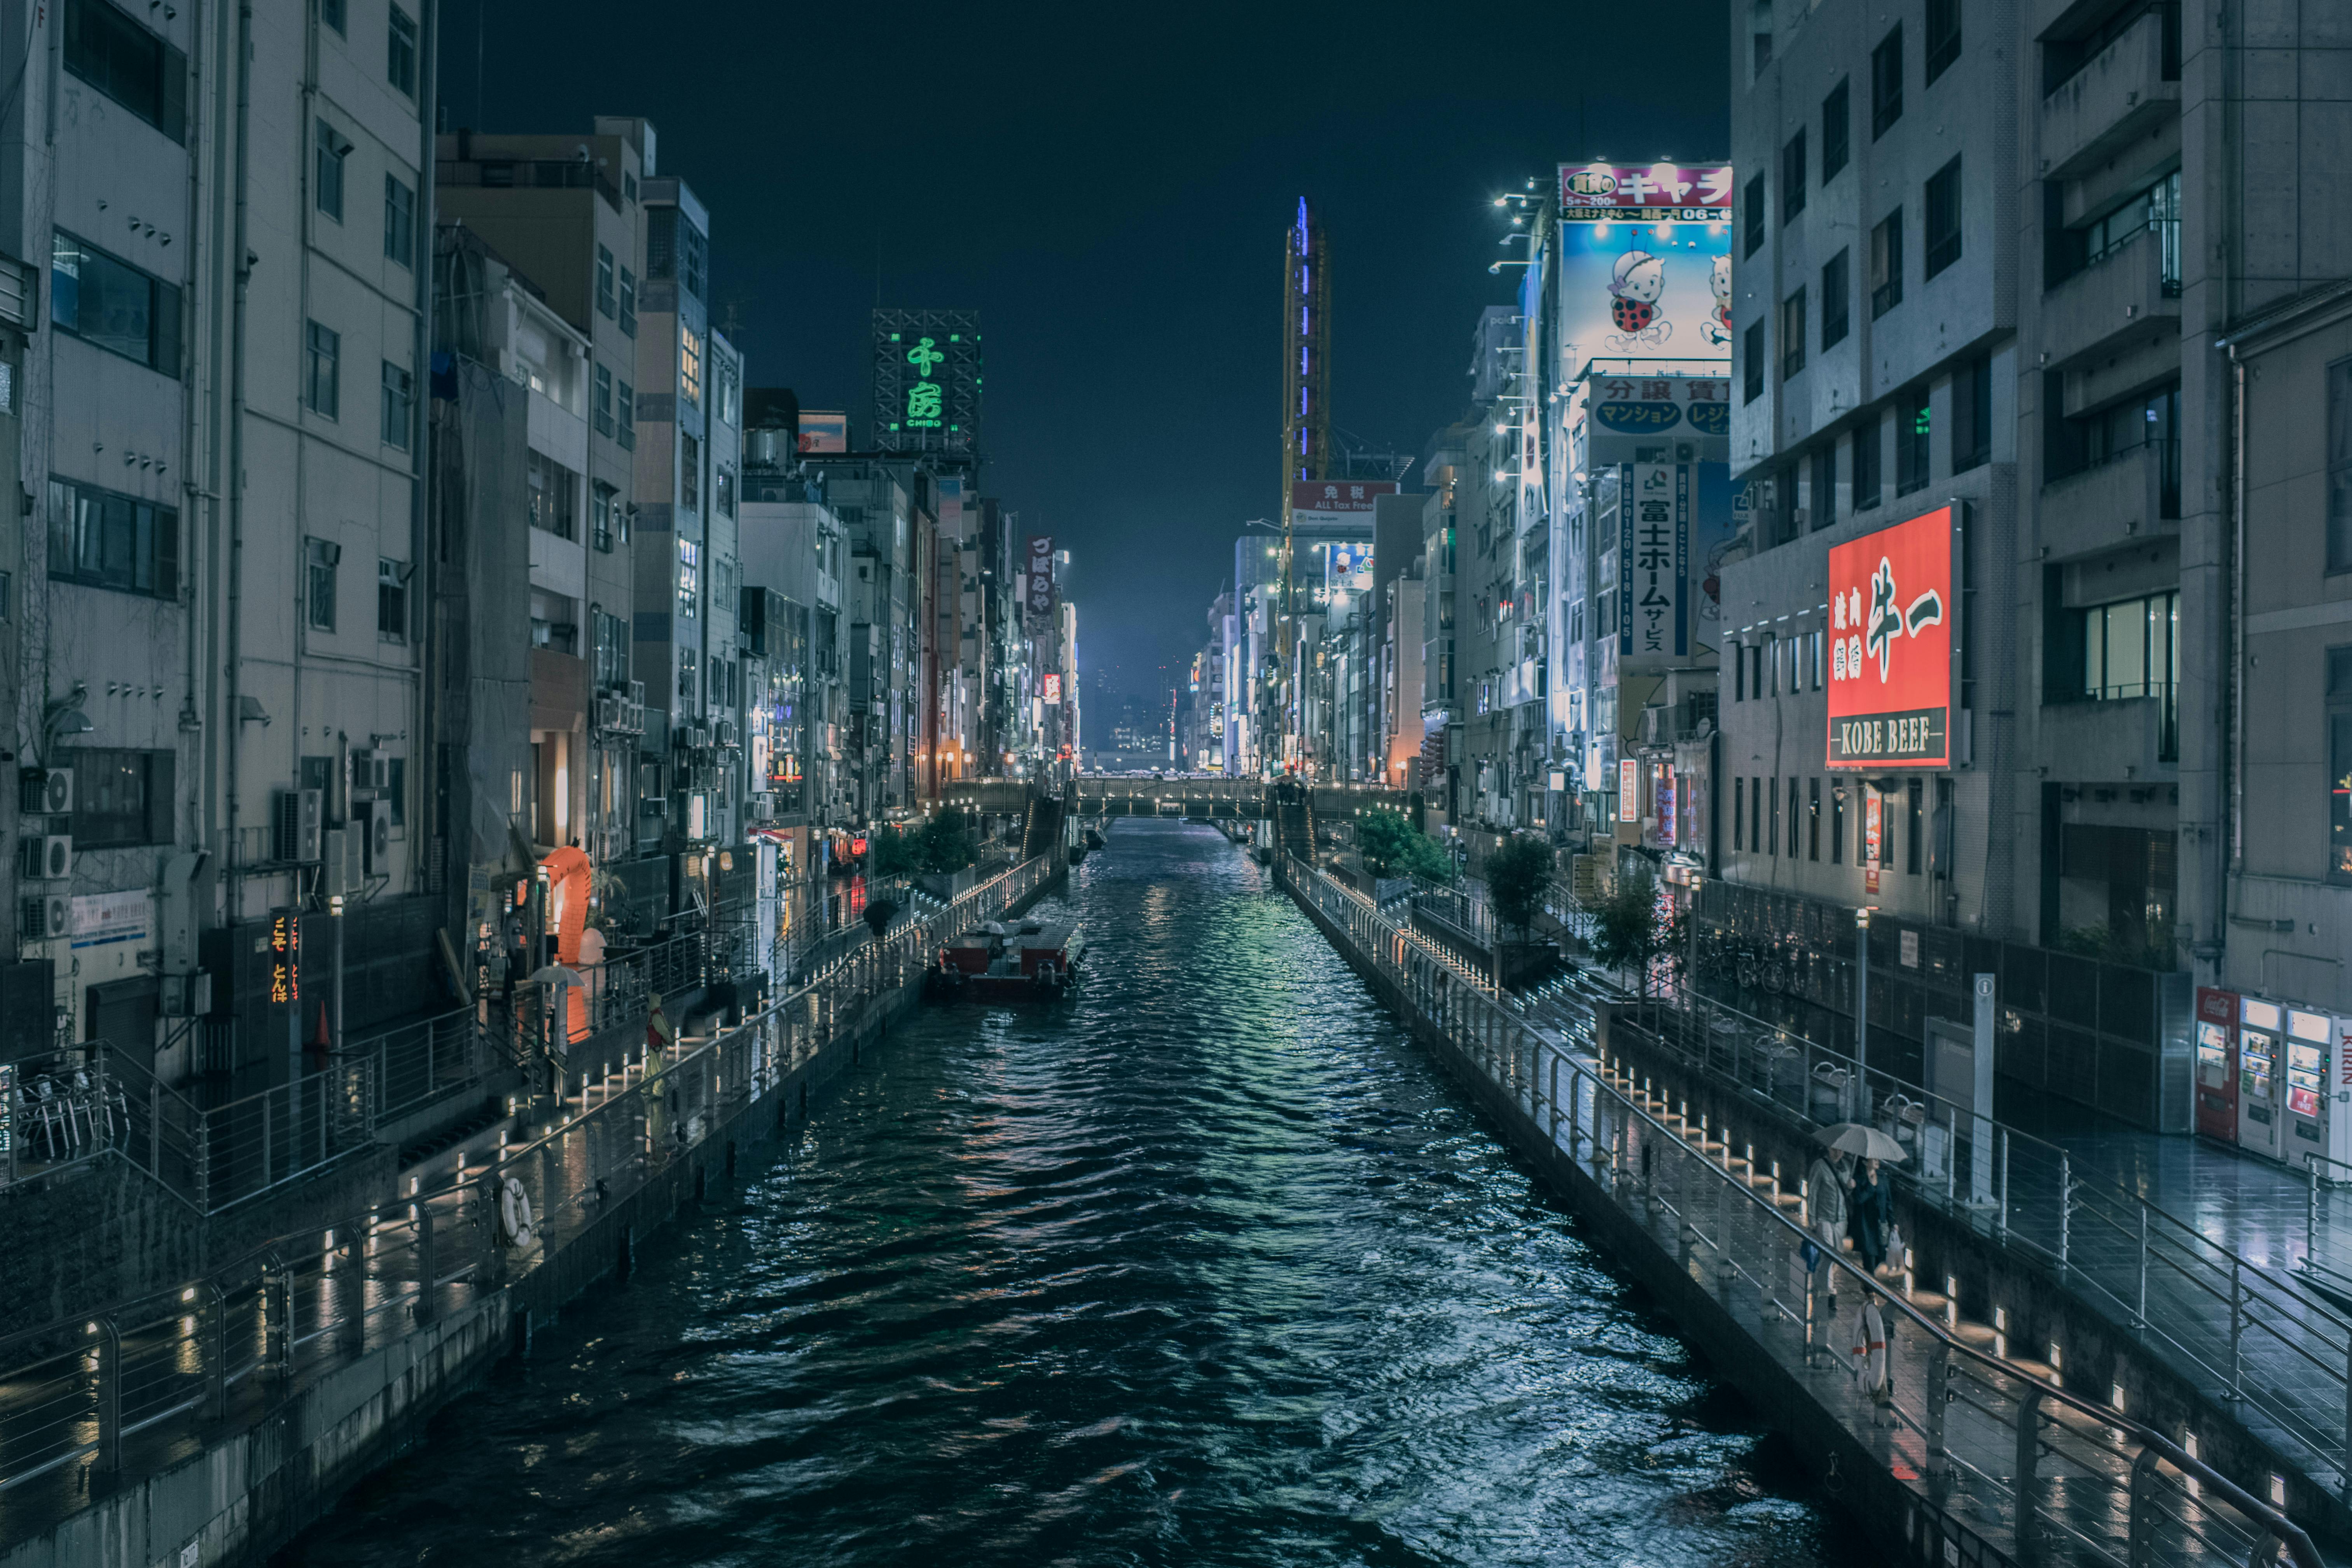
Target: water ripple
(1210, 1267)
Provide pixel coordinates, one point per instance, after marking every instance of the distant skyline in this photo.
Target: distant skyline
(1110, 194)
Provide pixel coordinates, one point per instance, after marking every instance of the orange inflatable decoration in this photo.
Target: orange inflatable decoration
(567, 877)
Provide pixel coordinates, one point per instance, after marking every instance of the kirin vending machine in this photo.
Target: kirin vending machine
(2262, 1077)
(2308, 1038)
(2217, 1064)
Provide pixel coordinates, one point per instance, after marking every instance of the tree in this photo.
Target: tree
(1519, 876)
(1630, 933)
(1393, 846)
(892, 852)
(945, 844)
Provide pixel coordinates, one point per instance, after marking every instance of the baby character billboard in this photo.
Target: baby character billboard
(1716, 328)
(1646, 291)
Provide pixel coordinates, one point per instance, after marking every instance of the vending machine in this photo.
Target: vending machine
(2262, 1081)
(2217, 1061)
(2308, 1037)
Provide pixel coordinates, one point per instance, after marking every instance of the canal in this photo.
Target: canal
(1209, 1266)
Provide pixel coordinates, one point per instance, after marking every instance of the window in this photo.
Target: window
(113, 304)
(399, 221)
(1754, 226)
(333, 149)
(2339, 765)
(320, 559)
(693, 257)
(604, 515)
(2339, 466)
(2131, 648)
(1972, 413)
(1740, 814)
(629, 303)
(1796, 830)
(123, 59)
(1813, 821)
(1792, 176)
(689, 578)
(1837, 129)
(1751, 362)
(2063, 57)
(604, 299)
(551, 489)
(1762, 43)
(399, 405)
(2149, 424)
(1914, 795)
(1772, 836)
(400, 52)
(604, 409)
(322, 388)
(2157, 208)
(1886, 264)
(1943, 233)
(661, 243)
(1824, 497)
(610, 650)
(1943, 35)
(1738, 673)
(121, 798)
(103, 540)
(330, 12)
(392, 601)
(689, 472)
(1836, 308)
(1792, 334)
(1837, 823)
(1911, 430)
(689, 365)
(1866, 461)
(1887, 83)
(625, 419)
(554, 622)
(724, 484)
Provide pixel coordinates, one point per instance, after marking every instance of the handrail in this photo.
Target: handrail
(2291, 1535)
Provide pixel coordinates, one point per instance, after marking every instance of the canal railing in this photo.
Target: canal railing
(2248, 1333)
(2044, 1471)
(132, 1386)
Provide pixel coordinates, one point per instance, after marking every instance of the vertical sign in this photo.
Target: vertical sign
(1667, 798)
(1872, 822)
(1629, 790)
(286, 956)
(1041, 574)
(1654, 553)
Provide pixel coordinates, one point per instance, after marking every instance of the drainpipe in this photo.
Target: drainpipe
(242, 259)
(424, 749)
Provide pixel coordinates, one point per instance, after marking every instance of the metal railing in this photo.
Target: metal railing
(2053, 1475)
(224, 1349)
(66, 1108)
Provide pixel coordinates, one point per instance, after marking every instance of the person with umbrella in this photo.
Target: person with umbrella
(1825, 1208)
(1869, 1215)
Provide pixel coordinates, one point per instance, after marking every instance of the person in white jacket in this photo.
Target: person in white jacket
(1825, 1207)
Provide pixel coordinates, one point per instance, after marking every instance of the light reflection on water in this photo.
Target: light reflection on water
(1208, 1266)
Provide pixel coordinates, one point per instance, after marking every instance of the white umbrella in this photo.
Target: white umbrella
(1866, 1142)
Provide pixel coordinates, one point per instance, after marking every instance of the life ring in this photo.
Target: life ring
(515, 1225)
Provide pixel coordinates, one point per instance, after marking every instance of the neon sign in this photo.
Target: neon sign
(286, 956)
(926, 400)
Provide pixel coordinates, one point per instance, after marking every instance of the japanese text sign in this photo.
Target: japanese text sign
(1041, 574)
(1654, 553)
(1891, 620)
(1600, 193)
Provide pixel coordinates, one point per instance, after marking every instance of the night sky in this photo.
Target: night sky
(1109, 189)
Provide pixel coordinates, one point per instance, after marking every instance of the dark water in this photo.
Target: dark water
(1210, 1267)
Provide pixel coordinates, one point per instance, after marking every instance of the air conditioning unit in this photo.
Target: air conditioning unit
(296, 819)
(48, 857)
(370, 770)
(608, 711)
(376, 827)
(700, 736)
(188, 995)
(637, 695)
(726, 733)
(45, 916)
(46, 792)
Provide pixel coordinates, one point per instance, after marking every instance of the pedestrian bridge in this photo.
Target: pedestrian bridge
(1199, 799)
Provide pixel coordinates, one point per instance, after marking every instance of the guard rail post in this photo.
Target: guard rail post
(2140, 1523)
(110, 1396)
(2066, 1214)
(2029, 1455)
(2140, 1315)
(282, 1285)
(1939, 1395)
(424, 1309)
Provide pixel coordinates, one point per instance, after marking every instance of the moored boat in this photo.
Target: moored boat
(1034, 961)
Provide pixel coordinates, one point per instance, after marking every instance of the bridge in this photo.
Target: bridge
(1193, 799)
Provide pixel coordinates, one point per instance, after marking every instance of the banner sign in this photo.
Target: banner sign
(1335, 503)
(1654, 560)
(1892, 613)
(1645, 193)
(1041, 574)
(1629, 790)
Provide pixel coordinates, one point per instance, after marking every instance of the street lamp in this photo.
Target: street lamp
(1861, 1006)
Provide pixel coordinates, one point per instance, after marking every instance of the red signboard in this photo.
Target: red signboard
(1644, 192)
(1892, 613)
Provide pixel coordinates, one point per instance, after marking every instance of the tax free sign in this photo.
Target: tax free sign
(1892, 618)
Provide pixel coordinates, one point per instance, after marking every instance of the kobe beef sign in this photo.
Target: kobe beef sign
(1891, 622)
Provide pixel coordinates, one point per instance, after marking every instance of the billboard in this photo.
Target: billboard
(1645, 290)
(926, 370)
(824, 430)
(1336, 503)
(1654, 553)
(1644, 192)
(1041, 574)
(1892, 613)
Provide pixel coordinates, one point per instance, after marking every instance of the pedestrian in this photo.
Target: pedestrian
(1825, 1198)
(659, 1033)
(1871, 1214)
(1869, 1360)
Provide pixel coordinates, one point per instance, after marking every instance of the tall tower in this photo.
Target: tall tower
(1305, 398)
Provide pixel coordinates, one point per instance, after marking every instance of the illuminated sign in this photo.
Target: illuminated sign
(1053, 690)
(1335, 503)
(927, 382)
(824, 431)
(1041, 574)
(1653, 512)
(1629, 790)
(1637, 291)
(1646, 193)
(1890, 665)
(286, 956)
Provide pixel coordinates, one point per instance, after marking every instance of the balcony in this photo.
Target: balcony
(2128, 293)
(2117, 97)
(2135, 492)
(2127, 732)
